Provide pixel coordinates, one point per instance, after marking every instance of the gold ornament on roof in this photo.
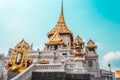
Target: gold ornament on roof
(19, 58)
(56, 37)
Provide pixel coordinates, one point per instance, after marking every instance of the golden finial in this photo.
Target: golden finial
(62, 8)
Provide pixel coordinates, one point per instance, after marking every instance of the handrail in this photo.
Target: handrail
(48, 68)
(25, 75)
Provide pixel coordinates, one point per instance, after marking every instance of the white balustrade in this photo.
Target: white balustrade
(48, 68)
(25, 75)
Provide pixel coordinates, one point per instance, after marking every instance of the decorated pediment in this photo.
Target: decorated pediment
(56, 37)
(78, 39)
(19, 57)
(91, 44)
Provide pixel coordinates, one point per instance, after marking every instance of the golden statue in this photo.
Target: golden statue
(19, 58)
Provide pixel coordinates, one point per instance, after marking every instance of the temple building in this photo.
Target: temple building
(117, 73)
(63, 58)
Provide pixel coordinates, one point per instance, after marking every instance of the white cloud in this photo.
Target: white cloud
(111, 56)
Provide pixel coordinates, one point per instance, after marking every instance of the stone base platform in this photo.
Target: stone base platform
(59, 76)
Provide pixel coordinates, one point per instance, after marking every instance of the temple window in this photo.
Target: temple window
(90, 63)
(91, 49)
(19, 58)
(55, 47)
(64, 46)
(52, 47)
(64, 54)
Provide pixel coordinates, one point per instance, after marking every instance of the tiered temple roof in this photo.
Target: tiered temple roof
(61, 26)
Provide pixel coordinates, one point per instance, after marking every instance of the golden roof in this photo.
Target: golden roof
(60, 26)
(78, 39)
(91, 44)
(22, 43)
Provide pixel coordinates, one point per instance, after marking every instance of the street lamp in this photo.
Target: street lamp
(109, 65)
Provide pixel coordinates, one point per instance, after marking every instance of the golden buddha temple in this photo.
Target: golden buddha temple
(63, 58)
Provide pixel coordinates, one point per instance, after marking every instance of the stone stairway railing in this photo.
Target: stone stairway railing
(60, 57)
(48, 68)
(25, 75)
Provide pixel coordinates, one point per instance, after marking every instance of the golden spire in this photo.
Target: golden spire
(62, 8)
(60, 27)
(61, 18)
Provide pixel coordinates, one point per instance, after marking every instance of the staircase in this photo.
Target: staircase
(11, 75)
(27, 74)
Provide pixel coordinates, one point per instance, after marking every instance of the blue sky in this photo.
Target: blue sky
(98, 20)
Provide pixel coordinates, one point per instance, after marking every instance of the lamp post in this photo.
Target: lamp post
(109, 65)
